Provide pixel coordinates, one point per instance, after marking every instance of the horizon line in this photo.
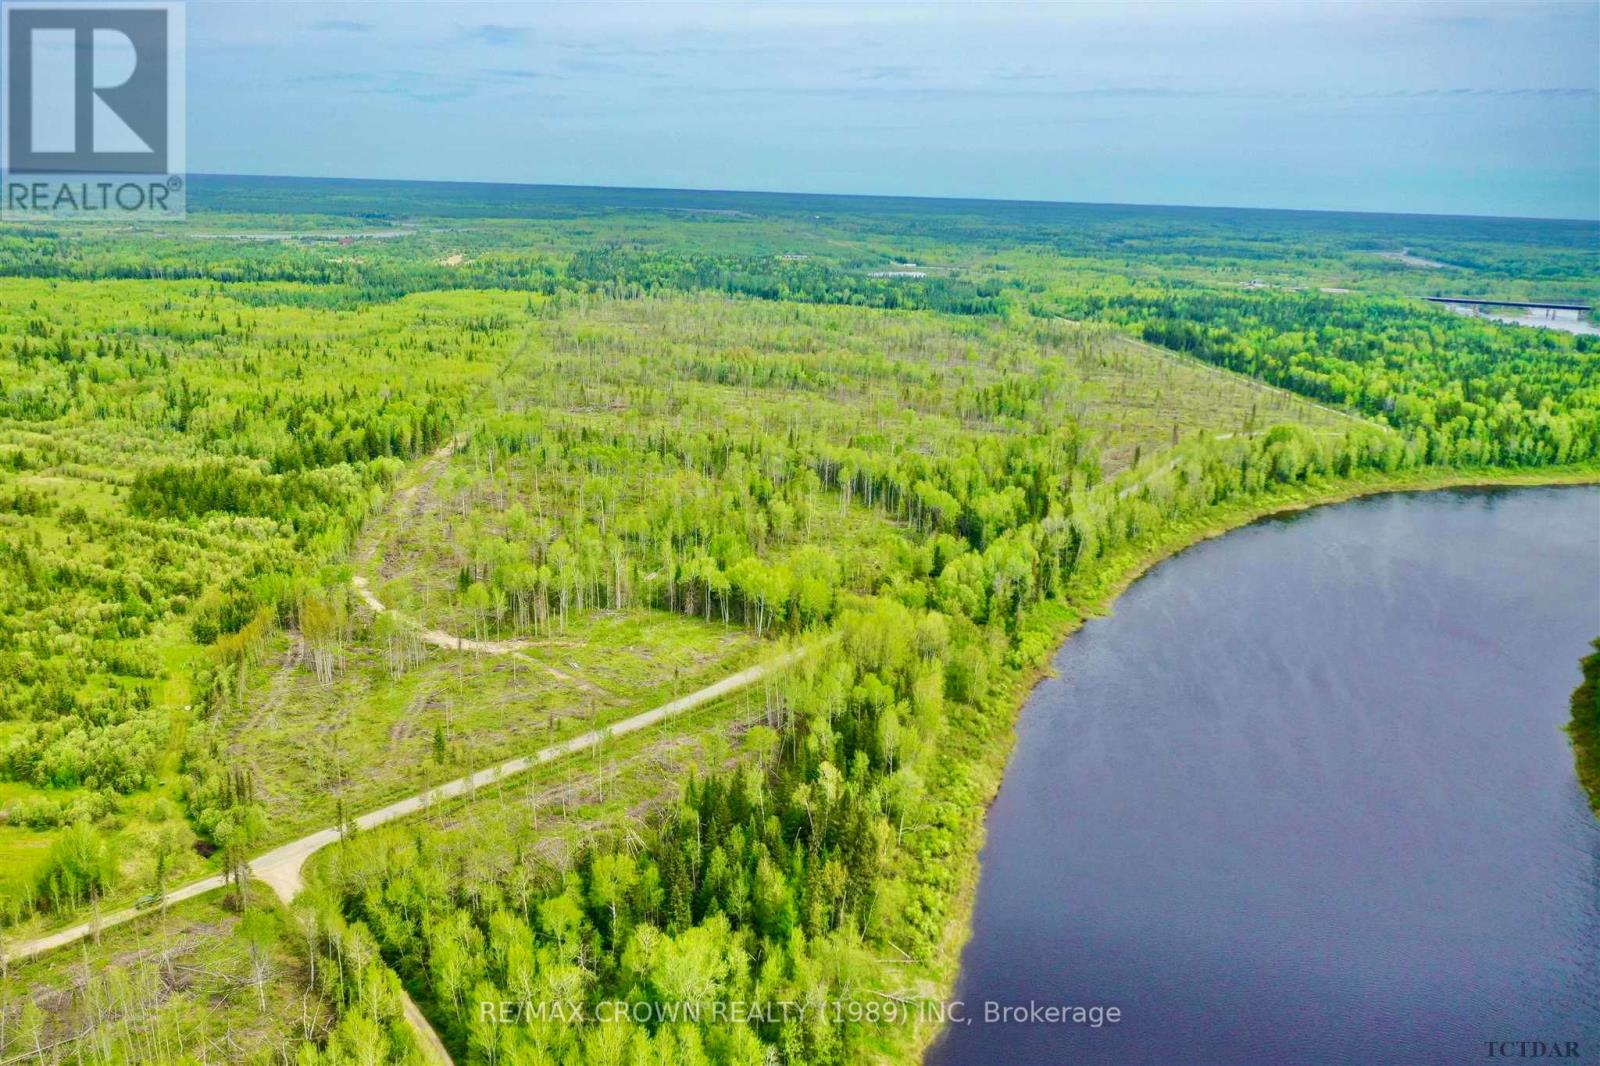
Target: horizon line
(1593, 220)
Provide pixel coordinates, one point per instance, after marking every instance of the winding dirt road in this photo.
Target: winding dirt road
(281, 867)
(438, 637)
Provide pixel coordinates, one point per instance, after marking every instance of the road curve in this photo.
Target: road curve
(281, 867)
(428, 1042)
(438, 637)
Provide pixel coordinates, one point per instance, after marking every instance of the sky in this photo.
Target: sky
(1475, 108)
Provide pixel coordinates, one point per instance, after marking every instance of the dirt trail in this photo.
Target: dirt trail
(281, 867)
(404, 500)
(438, 637)
(266, 711)
(433, 1048)
(451, 642)
(427, 473)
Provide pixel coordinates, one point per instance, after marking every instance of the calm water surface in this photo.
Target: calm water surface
(1305, 798)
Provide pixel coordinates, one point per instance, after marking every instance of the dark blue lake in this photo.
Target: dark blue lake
(1305, 797)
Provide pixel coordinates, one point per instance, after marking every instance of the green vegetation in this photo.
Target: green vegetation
(1584, 728)
(178, 465)
(196, 983)
(1474, 393)
(300, 514)
(372, 734)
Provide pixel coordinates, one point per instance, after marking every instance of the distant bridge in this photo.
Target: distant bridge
(1472, 302)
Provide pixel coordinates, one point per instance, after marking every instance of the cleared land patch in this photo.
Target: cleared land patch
(186, 984)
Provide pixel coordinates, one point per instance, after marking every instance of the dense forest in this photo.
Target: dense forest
(1482, 394)
(302, 514)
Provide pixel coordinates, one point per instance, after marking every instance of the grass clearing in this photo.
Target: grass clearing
(180, 985)
(370, 737)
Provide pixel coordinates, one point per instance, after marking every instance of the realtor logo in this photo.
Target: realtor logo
(93, 110)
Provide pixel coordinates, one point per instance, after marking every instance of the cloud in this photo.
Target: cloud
(338, 77)
(422, 86)
(1023, 74)
(496, 34)
(870, 85)
(1418, 94)
(1458, 22)
(341, 26)
(884, 73)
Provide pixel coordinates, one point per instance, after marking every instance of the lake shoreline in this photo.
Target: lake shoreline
(1097, 597)
(1584, 730)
